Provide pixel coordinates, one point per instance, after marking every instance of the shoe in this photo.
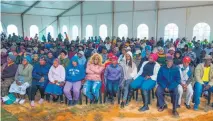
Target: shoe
(144, 108)
(22, 101)
(70, 103)
(75, 102)
(41, 101)
(146, 101)
(178, 106)
(122, 104)
(196, 107)
(160, 109)
(32, 103)
(187, 106)
(17, 100)
(175, 113)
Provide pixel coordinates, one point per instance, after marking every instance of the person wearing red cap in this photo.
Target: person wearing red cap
(146, 79)
(186, 82)
(113, 76)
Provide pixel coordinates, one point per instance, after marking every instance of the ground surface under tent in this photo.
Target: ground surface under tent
(100, 112)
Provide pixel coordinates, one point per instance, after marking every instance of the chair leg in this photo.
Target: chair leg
(100, 97)
(86, 99)
(149, 97)
(153, 94)
(105, 96)
(136, 95)
(209, 97)
(80, 98)
(119, 96)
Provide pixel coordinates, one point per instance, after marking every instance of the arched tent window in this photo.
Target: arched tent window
(12, 29)
(103, 31)
(171, 31)
(142, 31)
(33, 30)
(89, 31)
(201, 31)
(51, 30)
(74, 32)
(1, 28)
(123, 31)
(64, 29)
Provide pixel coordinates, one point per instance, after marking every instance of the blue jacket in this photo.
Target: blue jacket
(39, 72)
(168, 77)
(50, 60)
(74, 74)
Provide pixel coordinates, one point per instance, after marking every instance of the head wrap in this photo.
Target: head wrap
(12, 57)
(110, 55)
(186, 59)
(28, 58)
(74, 58)
(129, 53)
(154, 56)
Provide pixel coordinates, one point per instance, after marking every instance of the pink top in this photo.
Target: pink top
(94, 72)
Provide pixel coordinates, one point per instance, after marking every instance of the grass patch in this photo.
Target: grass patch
(6, 116)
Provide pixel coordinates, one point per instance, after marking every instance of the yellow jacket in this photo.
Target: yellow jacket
(199, 70)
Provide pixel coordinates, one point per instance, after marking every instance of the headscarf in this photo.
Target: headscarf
(154, 56)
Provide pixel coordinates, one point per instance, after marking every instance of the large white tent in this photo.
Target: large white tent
(168, 19)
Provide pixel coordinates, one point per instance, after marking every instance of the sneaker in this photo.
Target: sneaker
(41, 101)
(32, 103)
(187, 106)
(178, 106)
(196, 107)
(22, 101)
(175, 113)
(17, 100)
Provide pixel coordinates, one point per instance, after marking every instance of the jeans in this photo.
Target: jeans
(112, 87)
(198, 89)
(160, 96)
(91, 89)
(141, 83)
(126, 88)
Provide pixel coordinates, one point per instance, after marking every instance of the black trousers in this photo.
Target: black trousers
(34, 89)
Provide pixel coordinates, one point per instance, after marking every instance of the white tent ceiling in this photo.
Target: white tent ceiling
(51, 8)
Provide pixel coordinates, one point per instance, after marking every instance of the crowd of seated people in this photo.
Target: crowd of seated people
(68, 68)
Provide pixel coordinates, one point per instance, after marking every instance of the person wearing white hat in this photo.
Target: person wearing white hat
(130, 71)
(138, 59)
(122, 56)
(204, 79)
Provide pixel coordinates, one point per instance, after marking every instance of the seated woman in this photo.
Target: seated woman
(93, 78)
(146, 79)
(113, 76)
(23, 79)
(40, 79)
(75, 73)
(56, 78)
(8, 71)
(130, 71)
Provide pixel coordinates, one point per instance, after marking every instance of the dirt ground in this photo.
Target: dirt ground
(104, 112)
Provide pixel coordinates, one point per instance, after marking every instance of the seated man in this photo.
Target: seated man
(204, 79)
(186, 80)
(168, 80)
